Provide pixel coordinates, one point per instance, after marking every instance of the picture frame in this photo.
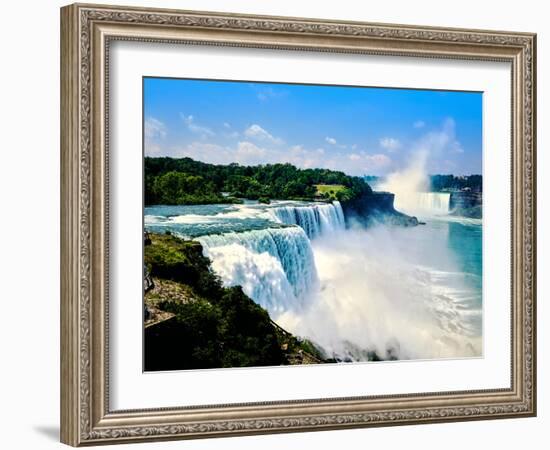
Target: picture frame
(87, 32)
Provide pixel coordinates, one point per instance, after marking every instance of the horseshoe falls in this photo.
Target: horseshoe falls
(411, 187)
(423, 203)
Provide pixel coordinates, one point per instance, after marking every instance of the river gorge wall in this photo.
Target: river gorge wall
(375, 207)
(466, 203)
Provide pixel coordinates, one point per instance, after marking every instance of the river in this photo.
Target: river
(404, 293)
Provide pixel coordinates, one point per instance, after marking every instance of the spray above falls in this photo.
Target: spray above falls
(411, 189)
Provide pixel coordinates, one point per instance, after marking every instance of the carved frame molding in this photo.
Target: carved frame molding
(86, 32)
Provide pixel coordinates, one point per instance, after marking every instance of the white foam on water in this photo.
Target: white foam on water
(261, 276)
(376, 295)
(426, 203)
(314, 219)
(246, 258)
(351, 291)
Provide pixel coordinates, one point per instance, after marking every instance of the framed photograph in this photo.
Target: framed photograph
(278, 224)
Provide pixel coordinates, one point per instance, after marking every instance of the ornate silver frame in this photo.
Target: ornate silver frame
(86, 32)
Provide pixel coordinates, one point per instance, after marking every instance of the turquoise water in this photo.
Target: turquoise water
(461, 236)
(199, 220)
(465, 239)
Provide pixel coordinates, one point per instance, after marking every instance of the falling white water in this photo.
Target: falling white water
(424, 203)
(398, 292)
(275, 266)
(410, 187)
(313, 219)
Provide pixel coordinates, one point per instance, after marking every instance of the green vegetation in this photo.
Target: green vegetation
(264, 200)
(178, 188)
(231, 331)
(186, 181)
(175, 259)
(210, 325)
(452, 182)
(334, 192)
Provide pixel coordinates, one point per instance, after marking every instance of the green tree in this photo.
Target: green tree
(185, 181)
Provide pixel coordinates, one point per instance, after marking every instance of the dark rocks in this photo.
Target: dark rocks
(466, 204)
(373, 208)
(146, 238)
(148, 283)
(146, 313)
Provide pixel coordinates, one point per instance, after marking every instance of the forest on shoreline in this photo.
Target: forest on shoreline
(184, 181)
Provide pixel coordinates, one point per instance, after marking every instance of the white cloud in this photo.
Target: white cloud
(255, 131)
(229, 132)
(333, 141)
(433, 152)
(364, 162)
(152, 149)
(442, 141)
(297, 149)
(192, 126)
(440, 148)
(203, 151)
(390, 144)
(245, 153)
(419, 124)
(302, 157)
(456, 147)
(377, 162)
(358, 163)
(250, 154)
(154, 129)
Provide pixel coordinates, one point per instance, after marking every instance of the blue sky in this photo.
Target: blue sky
(361, 131)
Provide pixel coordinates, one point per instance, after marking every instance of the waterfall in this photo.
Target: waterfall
(314, 219)
(431, 203)
(274, 266)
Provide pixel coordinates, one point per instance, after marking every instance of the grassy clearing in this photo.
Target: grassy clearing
(330, 191)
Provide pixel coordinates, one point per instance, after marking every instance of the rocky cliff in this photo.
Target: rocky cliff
(192, 321)
(375, 207)
(466, 203)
